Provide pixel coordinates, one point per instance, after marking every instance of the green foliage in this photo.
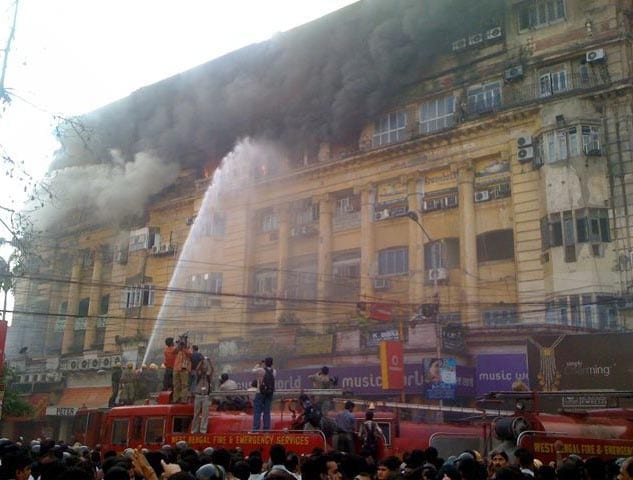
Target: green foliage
(13, 405)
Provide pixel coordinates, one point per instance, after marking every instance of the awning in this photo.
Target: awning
(85, 397)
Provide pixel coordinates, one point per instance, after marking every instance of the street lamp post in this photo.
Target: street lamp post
(436, 296)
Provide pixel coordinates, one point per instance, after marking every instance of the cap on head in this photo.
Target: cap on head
(210, 472)
(268, 361)
(325, 370)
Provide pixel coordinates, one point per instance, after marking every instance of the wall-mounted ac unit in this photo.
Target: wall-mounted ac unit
(494, 33)
(524, 141)
(381, 214)
(165, 248)
(436, 274)
(525, 154)
(73, 365)
(459, 44)
(106, 362)
(398, 211)
(155, 249)
(476, 39)
(482, 196)
(596, 56)
(84, 364)
(381, 283)
(514, 73)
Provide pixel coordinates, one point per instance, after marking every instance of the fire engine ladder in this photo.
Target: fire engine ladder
(372, 404)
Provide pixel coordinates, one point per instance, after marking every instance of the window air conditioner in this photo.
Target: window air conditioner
(165, 248)
(436, 274)
(475, 39)
(459, 44)
(381, 283)
(596, 56)
(494, 33)
(525, 154)
(513, 73)
(524, 141)
(381, 214)
(482, 196)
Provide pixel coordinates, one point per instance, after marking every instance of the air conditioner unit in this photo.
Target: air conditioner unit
(381, 283)
(596, 56)
(106, 362)
(524, 141)
(398, 211)
(514, 73)
(475, 39)
(155, 249)
(95, 363)
(74, 364)
(494, 33)
(165, 248)
(436, 274)
(381, 214)
(459, 44)
(525, 154)
(84, 365)
(482, 196)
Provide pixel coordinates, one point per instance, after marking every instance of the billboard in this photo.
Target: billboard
(440, 378)
(497, 372)
(580, 362)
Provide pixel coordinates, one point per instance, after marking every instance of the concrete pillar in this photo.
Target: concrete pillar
(468, 245)
(282, 256)
(324, 258)
(416, 242)
(367, 243)
(95, 300)
(73, 306)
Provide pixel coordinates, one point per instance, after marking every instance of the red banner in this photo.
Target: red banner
(392, 364)
(4, 326)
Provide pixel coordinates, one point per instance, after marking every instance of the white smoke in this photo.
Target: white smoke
(107, 192)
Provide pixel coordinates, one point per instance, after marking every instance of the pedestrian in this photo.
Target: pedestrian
(115, 378)
(345, 426)
(230, 402)
(371, 435)
(196, 358)
(265, 374)
(322, 381)
(182, 369)
(127, 392)
(169, 359)
(201, 396)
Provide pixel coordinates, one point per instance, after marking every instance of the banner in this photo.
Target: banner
(363, 380)
(440, 378)
(579, 362)
(497, 372)
(392, 365)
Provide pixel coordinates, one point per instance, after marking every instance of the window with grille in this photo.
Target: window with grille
(561, 144)
(437, 114)
(500, 316)
(265, 285)
(393, 261)
(540, 13)
(552, 83)
(390, 128)
(138, 296)
(484, 98)
(441, 254)
(203, 289)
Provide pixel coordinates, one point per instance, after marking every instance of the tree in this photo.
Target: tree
(13, 405)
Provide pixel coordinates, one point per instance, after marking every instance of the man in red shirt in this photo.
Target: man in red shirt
(170, 358)
(182, 369)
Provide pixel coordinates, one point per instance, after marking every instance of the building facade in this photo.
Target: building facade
(488, 203)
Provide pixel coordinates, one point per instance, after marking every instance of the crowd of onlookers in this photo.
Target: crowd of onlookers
(49, 460)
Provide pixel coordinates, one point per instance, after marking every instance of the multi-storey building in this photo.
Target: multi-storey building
(487, 202)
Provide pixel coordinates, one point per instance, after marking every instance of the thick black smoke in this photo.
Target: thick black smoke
(318, 82)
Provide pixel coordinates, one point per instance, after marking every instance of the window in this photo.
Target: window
(437, 114)
(154, 431)
(442, 254)
(208, 284)
(269, 221)
(265, 285)
(390, 128)
(181, 424)
(212, 226)
(138, 296)
(557, 145)
(495, 245)
(394, 261)
(500, 316)
(580, 226)
(484, 98)
(306, 213)
(540, 13)
(301, 282)
(607, 312)
(345, 275)
(119, 431)
(553, 83)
